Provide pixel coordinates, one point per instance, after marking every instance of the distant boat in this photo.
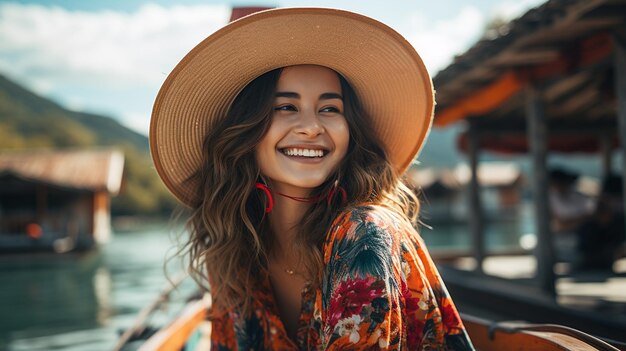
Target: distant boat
(57, 200)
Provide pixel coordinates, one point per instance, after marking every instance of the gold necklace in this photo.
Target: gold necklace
(287, 269)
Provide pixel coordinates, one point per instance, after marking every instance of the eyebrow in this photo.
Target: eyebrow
(324, 96)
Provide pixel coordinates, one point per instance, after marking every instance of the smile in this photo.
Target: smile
(313, 153)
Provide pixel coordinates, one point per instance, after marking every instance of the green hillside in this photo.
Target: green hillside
(31, 121)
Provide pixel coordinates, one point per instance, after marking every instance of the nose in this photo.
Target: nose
(309, 124)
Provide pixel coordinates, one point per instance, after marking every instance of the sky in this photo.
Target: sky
(111, 57)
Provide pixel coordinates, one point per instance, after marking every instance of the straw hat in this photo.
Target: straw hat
(386, 73)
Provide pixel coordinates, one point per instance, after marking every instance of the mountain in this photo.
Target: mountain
(42, 121)
(31, 121)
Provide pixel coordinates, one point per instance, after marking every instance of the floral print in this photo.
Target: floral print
(380, 290)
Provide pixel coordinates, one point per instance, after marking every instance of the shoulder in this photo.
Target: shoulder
(372, 228)
(365, 220)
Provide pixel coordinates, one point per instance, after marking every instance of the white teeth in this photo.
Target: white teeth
(303, 152)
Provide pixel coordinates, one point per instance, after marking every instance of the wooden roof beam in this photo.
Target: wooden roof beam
(524, 58)
(566, 85)
(590, 50)
(576, 103)
(571, 21)
(480, 73)
(580, 9)
(569, 27)
(481, 101)
(575, 13)
(546, 62)
(565, 33)
(602, 110)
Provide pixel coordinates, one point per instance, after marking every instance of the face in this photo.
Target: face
(308, 135)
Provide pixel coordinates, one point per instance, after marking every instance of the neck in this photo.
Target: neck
(285, 217)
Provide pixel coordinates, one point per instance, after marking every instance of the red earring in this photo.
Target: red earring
(337, 187)
(270, 199)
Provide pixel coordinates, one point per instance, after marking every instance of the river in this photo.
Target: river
(83, 302)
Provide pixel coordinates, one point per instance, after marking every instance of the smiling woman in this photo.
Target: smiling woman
(290, 159)
(308, 135)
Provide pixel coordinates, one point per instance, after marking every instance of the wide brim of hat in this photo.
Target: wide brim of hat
(386, 73)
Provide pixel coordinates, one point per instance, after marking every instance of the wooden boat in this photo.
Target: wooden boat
(176, 335)
(485, 335)
(488, 336)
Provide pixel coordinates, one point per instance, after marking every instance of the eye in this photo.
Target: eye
(287, 107)
(330, 109)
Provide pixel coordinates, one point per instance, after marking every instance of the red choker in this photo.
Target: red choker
(310, 200)
(337, 189)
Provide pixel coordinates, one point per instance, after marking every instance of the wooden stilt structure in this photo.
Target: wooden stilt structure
(537, 140)
(553, 80)
(606, 150)
(619, 41)
(475, 203)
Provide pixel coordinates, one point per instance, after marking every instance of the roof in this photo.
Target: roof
(94, 170)
(563, 47)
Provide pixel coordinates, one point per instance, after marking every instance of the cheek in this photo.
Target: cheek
(341, 136)
(262, 150)
(275, 131)
(265, 150)
(269, 140)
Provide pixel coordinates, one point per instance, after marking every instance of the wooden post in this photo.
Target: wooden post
(42, 202)
(606, 150)
(619, 42)
(538, 142)
(475, 203)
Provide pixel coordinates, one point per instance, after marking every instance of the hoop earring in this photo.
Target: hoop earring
(270, 199)
(337, 188)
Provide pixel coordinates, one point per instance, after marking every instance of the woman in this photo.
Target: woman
(286, 133)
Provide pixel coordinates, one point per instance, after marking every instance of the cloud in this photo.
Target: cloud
(115, 47)
(49, 46)
(438, 41)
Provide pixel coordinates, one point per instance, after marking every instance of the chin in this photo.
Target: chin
(305, 183)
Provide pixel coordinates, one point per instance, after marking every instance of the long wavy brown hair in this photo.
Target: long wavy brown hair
(230, 239)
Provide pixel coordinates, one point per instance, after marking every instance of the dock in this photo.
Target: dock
(591, 301)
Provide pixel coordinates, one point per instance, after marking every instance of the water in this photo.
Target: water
(82, 302)
(503, 234)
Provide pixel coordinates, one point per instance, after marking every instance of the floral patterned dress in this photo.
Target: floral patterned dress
(380, 291)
